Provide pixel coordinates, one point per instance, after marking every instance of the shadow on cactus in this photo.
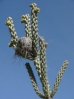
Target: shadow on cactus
(33, 47)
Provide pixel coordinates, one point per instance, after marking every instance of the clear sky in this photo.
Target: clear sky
(56, 25)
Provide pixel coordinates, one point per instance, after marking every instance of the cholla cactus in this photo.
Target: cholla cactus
(14, 37)
(33, 47)
(26, 19)
(34, 27)
(23, 45)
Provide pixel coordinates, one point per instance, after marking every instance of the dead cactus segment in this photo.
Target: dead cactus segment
(25, 43)
(24, 47)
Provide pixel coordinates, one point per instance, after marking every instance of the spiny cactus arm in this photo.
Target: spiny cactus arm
(37, 65)
(14, 37)
(38, 68)
(34, 27)
(33, 80)
(59, 77)
(12, 43)
(45, 84)
(26, 19)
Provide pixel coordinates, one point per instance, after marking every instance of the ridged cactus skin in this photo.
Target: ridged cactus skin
(14, 37)
(45, 84)
(59, 77)
(26, 19)
(33, 80)
(33, 47)
(34, 27)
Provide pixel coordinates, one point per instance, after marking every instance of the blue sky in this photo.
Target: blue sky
(56, 25)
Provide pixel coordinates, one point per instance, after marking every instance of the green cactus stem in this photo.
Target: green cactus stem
(59, 77)
(45, 84)
(14, 37)
(26, 19)
(33, 80)
(34, 27)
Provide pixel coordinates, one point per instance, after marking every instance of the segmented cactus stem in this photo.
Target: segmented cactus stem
(37, 65)
(14, 37)
(59, 77)
(45, 84)
(26, 19)
(34, 27)
(33, 80)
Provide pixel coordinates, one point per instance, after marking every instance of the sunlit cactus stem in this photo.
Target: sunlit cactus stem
(34, 27)
(26, 19)
(37, 65)
(33, 81)
(59, 77)
(14, 37)
(45, 84)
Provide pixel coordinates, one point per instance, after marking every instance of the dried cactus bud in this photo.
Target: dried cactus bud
(24, 47)
(46, 44)
(25, 43)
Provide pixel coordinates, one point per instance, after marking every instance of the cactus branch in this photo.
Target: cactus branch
(26, 19)
(59, 77)
(13, 33)
(33, 80)
(34, 27)
(45, 84)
